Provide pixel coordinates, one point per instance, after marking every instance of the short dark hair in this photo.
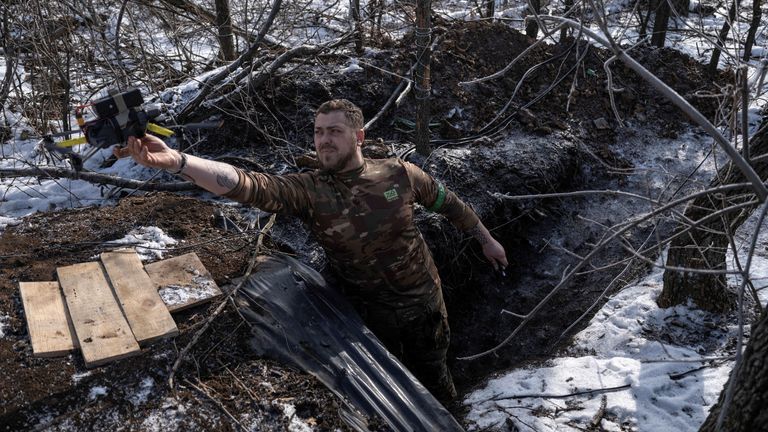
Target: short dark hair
(352, 112)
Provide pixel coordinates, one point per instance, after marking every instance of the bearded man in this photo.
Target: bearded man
(361, 212)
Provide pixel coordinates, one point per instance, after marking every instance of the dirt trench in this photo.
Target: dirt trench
(536, 149)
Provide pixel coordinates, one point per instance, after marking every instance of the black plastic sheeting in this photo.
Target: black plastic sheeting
(296, 318)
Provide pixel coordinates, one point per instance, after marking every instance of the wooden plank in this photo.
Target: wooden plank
(50, 329)
(101, 329)
(183, 281)
(146, 313)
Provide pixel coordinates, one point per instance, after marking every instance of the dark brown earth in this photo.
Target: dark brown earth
(221, 375)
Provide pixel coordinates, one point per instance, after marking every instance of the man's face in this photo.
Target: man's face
(336, 142)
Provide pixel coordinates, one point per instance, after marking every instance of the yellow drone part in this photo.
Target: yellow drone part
(159, 130)
(72, 142)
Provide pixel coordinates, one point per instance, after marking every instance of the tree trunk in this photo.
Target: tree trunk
(491, 8)
(567, 5)
(421, 75)
(532, 27)
(644, 19)
(661, 21)
(9, 49)
(224, 24)
(354, 9)
(375, 11)
(712, 68)
(747, 409)
(705, 246)
(660, 24)
(757, 15)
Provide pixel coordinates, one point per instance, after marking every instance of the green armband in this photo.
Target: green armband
(440, 198)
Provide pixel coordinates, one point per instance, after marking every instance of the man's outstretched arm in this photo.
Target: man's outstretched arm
(150, 151)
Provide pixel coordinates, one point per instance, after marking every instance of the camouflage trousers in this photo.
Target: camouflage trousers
(418, 336)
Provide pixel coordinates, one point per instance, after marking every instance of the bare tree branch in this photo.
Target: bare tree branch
(46, 173)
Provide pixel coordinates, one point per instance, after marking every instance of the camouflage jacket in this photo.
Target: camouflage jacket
(364, 221)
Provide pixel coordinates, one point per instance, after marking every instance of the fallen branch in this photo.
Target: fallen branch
(598, 417)
(302, 50)
(679, 376)
(691, 360)
(567, 395)
(50, 173)
(217, 402)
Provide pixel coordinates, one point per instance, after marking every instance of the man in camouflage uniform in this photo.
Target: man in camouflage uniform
(361, 212)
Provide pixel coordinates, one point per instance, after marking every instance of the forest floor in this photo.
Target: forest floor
(534, 146)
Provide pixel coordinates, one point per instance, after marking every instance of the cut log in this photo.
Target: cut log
(102, 330)
(50, 329)
(147, 315)
(183, 281)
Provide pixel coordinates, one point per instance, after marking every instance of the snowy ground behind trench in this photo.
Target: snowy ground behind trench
(644, 361)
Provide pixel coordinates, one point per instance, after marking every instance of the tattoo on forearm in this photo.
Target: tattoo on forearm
(478, 234)
(225, 181)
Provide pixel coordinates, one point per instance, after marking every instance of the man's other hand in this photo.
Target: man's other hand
(494, 252)
(492, 249)
(150, 151)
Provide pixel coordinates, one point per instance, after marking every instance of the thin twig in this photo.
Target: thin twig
(216, 402)
(565, 396)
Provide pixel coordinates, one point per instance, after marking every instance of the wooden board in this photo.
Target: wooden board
(143, 308)
(101, 329)
(183, 281)
(50, 329)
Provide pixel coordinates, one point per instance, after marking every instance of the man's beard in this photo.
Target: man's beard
(339, 165)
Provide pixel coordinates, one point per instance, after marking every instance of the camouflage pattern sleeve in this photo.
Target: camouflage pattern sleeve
(434, 196)
(287, 194)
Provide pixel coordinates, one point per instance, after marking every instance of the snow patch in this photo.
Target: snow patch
(167, 418)
(295, 425)
(201, 288)
(150, 242)
(78, 376)
(3, 324)
(142, 393)
(353, 66)
(97, 391)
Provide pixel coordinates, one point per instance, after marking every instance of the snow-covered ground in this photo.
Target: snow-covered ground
(635, 367)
